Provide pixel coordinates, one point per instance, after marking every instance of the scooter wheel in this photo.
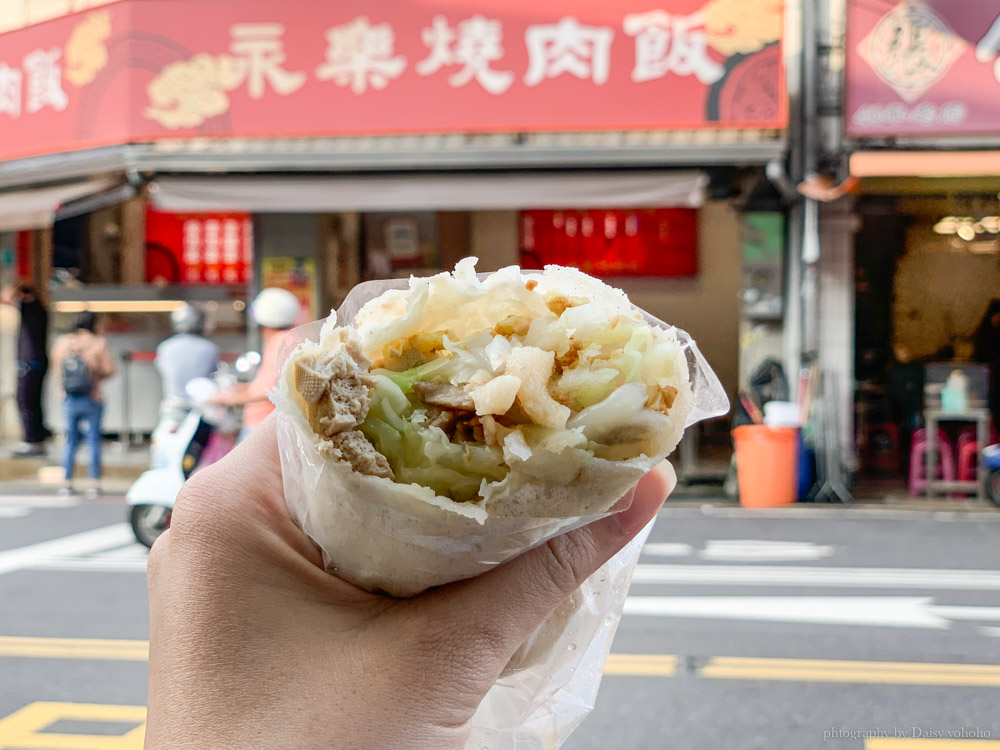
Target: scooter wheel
(148, 522)
(993, 487)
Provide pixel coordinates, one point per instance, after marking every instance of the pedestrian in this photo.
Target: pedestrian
(32, 365)
(183, 357)
(253, 644)
(275, 311)
(987, 351)
(82, 360)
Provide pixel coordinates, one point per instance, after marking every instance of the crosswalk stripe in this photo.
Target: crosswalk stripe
(817, 575)
(83, 543)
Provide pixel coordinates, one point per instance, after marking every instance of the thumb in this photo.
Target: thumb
(500, 609)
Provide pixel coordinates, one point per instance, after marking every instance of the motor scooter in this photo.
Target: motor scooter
(178, 450)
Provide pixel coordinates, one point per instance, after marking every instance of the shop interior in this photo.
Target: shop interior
(927, 269)
(680, 263)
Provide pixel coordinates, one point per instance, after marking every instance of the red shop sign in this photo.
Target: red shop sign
(607, 243)
(139, 71)
(198, 248)
(923, 67)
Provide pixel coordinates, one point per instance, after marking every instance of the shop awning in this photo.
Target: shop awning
(430, 192)
(36, 209)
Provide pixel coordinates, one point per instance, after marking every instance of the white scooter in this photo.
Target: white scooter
(174, 456)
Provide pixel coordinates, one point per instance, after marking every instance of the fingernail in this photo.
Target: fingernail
(635, 516)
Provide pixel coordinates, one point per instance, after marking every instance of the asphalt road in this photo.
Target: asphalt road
(801, 629)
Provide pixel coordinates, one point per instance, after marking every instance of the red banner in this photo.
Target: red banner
(139, 71)
(923, 67)
(639, 242)
(198, 248)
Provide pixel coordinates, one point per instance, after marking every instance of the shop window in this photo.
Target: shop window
(619, 242)
(201, 249)
(400, 244)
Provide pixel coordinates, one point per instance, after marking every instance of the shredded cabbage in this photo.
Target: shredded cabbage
(605, 365)
(420, 454)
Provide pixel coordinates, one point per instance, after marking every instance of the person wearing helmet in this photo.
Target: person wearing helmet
(183, 357)
(275, 311)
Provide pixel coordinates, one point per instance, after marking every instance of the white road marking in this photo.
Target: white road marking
(874, 611)
(133, 551)
(39, 501)
(755, 550)
(988, 630)
(96, 564)
(812, 576)
(84, 543)
(667, 549)
(14, 511)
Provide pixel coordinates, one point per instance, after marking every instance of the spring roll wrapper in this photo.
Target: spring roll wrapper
(403, 539)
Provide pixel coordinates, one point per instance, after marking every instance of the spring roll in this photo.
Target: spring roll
(453, 424)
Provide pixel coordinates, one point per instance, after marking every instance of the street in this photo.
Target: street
(812, 627)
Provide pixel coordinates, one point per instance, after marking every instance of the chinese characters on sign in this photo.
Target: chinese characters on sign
(260, 50)
(911, 72)
(198, 248)
(361, 55)
(37, 84)
(475, 45)
(136, 71)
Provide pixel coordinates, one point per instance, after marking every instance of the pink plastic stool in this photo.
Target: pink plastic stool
(968, 448)
(918, 471)
(967, 452)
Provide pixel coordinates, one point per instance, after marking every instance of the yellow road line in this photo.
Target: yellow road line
(885, 678)
(832, 670)
(73, 648)
(26, 728)
(919, 743)
(634, 665)
(641, 665)
(897, 666)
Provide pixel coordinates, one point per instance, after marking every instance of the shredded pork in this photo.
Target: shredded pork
(445, 395)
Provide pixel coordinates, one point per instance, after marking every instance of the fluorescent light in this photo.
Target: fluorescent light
(967, 232)
(947, 225)
(120, 306)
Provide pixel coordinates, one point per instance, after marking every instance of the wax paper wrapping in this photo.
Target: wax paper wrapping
(404, 544)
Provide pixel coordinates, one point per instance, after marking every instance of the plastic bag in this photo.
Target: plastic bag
(551, 683)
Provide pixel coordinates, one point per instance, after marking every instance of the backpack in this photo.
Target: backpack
(76, 377)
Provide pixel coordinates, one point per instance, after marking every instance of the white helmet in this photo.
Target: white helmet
(275, 308)
(187, 319)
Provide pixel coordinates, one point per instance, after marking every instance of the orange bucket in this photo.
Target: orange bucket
(766, 464)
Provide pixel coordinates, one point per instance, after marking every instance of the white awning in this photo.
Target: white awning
(430, 192)
(36, 209)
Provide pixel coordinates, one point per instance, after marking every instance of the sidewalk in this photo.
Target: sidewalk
(695, 496)
(122, 466)
(44, 474)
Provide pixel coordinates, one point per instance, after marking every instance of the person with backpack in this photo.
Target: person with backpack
(82, 361)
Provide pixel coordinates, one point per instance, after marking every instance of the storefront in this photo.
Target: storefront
(922, 106)
(362, 146)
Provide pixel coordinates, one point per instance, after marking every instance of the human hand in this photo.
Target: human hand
(222, 398)
(254, 645)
